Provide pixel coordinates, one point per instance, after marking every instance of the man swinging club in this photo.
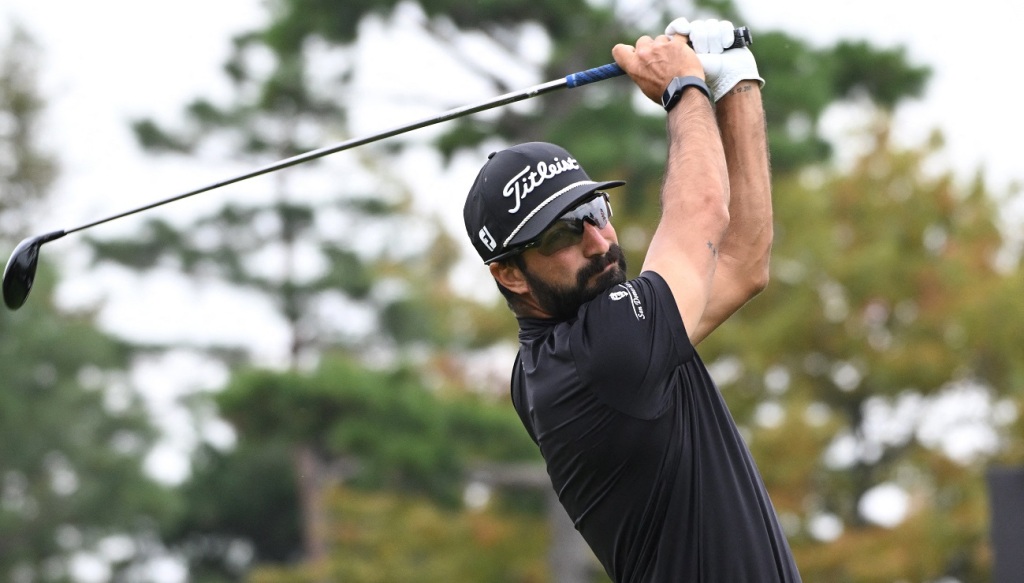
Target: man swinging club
(640, 447)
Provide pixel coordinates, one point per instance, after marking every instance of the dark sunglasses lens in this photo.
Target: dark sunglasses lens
(597, 211)
(568, 230)
(564, 233)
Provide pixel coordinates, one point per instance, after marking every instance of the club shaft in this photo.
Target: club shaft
(352, 143)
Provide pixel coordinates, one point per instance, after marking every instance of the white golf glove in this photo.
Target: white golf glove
(723, 67)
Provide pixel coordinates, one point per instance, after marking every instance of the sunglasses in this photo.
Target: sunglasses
(567, 230)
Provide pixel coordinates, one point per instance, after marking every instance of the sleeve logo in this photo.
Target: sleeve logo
(627, 290)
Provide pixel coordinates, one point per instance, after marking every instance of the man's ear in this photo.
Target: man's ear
(510, 276)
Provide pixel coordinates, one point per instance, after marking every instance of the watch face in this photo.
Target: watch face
(671, 95)
(674, 93)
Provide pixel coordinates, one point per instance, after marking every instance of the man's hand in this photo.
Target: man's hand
(653, 63)
(723, 67)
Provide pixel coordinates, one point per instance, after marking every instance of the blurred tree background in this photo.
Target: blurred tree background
(74, 435)
(876, 379)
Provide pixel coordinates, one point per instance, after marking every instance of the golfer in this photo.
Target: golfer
(640, 447)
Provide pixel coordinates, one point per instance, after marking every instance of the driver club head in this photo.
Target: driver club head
(20, 272)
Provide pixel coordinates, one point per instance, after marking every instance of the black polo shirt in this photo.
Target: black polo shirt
(641, 449)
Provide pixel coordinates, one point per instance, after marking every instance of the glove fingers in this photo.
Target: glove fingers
(726, 34)
(699, 36)
(723, 67)
(678, 26)
(707, 36)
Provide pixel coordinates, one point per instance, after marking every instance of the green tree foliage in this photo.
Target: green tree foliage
(403, 436)
(73, 434)
(380, 430)
(375, 261)
(26, 171)
(242, 506)
(380, 538)
(893, 289)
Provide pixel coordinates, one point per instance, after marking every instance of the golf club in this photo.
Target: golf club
(20, 272)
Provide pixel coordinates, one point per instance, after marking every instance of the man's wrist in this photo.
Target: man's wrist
(674, 93)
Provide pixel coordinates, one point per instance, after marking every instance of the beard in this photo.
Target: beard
(562, 302)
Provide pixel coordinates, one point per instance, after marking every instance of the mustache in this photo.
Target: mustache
(599, 264)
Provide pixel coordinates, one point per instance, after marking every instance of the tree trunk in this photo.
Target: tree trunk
(311, 501)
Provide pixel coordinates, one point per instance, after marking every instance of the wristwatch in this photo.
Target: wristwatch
(675, 90)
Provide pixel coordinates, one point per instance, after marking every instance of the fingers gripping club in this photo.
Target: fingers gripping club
(741, 39)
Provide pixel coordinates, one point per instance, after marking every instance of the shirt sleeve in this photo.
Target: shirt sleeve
(628, 342)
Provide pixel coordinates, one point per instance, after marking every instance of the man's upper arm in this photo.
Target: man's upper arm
(687, 263)
(730, 290)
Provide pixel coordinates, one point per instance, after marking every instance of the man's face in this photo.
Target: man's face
(571, 262)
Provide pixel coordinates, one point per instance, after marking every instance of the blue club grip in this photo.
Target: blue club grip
(610, 70)
(593, 75)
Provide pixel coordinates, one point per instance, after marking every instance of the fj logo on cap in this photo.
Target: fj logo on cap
(523, 184)
(487, 239)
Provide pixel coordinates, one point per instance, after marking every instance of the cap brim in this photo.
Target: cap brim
(565, 202)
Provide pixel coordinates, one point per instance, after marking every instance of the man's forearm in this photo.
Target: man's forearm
(742, 125)
(695, 177)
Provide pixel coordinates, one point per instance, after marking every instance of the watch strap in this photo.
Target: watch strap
(675, 89)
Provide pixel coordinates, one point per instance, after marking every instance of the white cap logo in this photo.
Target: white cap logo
(487, 239)
(529, 179)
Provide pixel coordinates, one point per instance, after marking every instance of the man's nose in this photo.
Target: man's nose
(594, 241)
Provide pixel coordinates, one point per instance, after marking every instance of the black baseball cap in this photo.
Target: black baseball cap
(520, 192)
